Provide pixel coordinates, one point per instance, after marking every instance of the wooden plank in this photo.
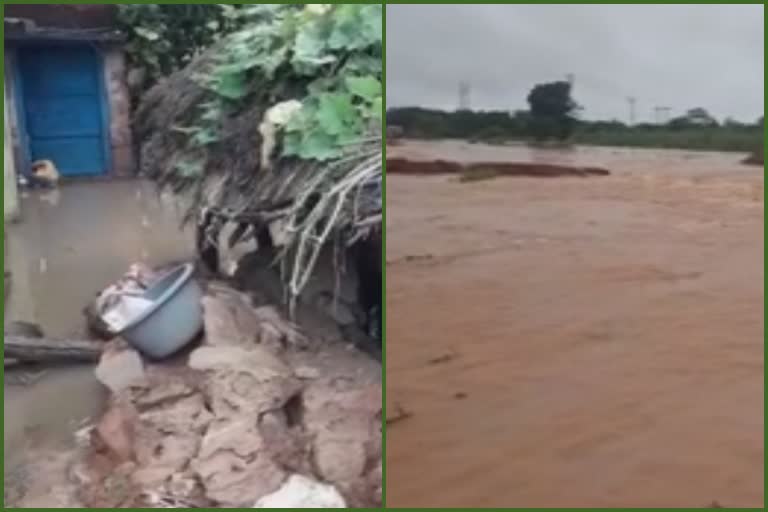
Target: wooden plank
(43, 350)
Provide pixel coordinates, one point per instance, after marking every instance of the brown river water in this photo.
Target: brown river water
(576, 342)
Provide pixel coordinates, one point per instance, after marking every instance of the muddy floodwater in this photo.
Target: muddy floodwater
(69, 244)
(576, 342)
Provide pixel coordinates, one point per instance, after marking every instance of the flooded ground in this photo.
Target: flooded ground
(70, 244)
(576, 342)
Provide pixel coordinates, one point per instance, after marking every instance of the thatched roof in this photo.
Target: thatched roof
(234, 180)
(312, 198)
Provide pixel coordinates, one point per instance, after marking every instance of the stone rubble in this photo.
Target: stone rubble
(120, 369)
(250, 418)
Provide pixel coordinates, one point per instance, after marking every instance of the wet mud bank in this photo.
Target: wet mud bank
(755, 158)
(483, 170)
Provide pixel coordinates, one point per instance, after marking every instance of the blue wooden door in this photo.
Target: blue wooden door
(62, 101)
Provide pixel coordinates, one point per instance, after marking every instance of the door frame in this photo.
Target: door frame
(24, 166)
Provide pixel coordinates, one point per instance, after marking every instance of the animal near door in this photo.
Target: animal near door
(62, 95)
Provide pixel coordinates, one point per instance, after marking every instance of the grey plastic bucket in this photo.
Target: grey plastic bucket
(174, 319)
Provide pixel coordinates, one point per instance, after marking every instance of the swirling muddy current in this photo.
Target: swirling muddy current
(576, 343)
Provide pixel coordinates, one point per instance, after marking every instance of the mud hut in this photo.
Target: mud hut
(280, 136)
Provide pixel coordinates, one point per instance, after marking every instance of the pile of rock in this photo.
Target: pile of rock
(249, 418)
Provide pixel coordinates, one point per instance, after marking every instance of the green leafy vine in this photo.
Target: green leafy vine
(322, 61)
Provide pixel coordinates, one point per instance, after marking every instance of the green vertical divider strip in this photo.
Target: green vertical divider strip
(384, 261)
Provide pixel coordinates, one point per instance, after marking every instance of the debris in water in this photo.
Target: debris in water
(412, 258)
(43, 350)
(401, 414)
(44, 174)
(446, 358)
(116, 305)
(122, 312)
(486, 170)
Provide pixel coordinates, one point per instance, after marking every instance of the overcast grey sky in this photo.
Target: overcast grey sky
(681, 56)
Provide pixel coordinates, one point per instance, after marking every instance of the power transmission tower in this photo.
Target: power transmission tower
(465, 93)
(632, 101)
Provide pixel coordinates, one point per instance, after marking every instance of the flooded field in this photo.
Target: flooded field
(69, 245)
(576, 342)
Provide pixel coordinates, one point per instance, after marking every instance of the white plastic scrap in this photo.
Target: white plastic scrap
(121, 303)
(301, 492)
(124, 310)
(282, 112)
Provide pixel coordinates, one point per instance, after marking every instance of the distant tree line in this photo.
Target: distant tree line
(553, 115)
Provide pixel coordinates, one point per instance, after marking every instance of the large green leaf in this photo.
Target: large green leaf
(292, 144)
(329, 60)
(335, 113)
(356, 26)
(309, 50)
(366, 87)
(372, 19)
(318, 145)
(363, 65)
(232, 86)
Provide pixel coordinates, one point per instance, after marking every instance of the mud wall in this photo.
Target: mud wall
(17, 154)
(10, 194)
(121, 144)
(317, 311)
(72, 16)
